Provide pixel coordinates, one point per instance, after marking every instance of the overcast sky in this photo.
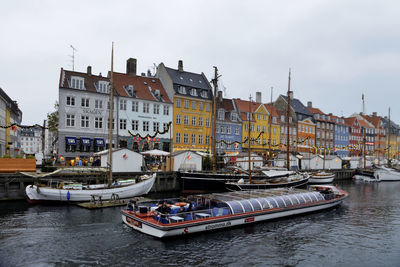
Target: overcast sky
(337, 50)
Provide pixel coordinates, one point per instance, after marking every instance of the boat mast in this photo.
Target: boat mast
(270, 129)
(249, 139)
(326, 125)
(214, 119)
(365, 157)
(110, 125)
(288, 126)
(388, 158)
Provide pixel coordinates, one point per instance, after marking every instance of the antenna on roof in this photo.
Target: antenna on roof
(73, 57)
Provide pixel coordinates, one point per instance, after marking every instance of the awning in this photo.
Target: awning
(69, 140)
(85, 141)
(99, 141)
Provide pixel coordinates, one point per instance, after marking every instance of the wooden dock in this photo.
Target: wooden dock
(99, 204)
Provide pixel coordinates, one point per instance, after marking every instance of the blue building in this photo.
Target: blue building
(228, 127)
(342, 135)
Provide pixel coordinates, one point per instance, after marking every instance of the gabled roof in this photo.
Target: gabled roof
(375, 120)
(89, 80)
(189, 79)
(143, 87)
(273, 111)
(315, 111)
(227, 105)
(297, 106)
(350, 121)
(244, 106)
(363, 122)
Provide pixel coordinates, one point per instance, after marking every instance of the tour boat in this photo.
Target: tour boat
(222, 210)
(321, 178)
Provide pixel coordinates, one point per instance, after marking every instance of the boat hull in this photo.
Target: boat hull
(247, 186)
(46, 194)
(386, 174)
(321, 179)
(220, 222)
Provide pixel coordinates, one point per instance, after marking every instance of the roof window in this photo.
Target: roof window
(77, 83)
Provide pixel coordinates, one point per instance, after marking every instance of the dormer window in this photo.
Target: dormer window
(129, 90)
(203, 94)
(193, 92)
(221, 114)
(182, 90)
(77, 82)
(103, 87)
(316, 116)
(234, 116)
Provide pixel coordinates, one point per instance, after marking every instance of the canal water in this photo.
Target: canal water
(364, 231)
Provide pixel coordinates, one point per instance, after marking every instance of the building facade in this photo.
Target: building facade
(144, 108)
(306, 136)
(324, 130)
(355, 136)
(192, 110)
(228, 127)
(341, 135)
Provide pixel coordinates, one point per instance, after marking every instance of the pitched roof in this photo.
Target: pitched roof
(315, 111)
(144, 87)
(375, 120)
(89, 80)
(350, 121)
(298, 106)
(243, 108)
(273, 111)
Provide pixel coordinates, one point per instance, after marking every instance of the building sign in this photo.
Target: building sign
(91, 111)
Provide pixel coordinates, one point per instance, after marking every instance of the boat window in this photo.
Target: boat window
(288, 200)
(246, 205)
(256, 204)
(294, 199)
(273, 202)
(300, 199)
(235, 207)
(264, 203)
(308, 197)
(280, 202)
(319, 196)
(285, 202)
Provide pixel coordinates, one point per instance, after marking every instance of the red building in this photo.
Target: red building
(355, 136)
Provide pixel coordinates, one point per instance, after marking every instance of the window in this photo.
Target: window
(265, 117)
(103, 87)
(207, 122)
(182, 89)
(166, 110)
(108, 105)
(186, 103)
(258, 116)
(185, 138)
(156, 108)
(178, 138)
(203, 94)
(178, 103)
(252, 128)
(258, 128)
(77, 82)
(145, 126)
(108, 123)
(234, 116)
(193, 92)
(85, 121)
(98, 123)
(98, 103)
(178, 119)
(156, 126)
(282, 118)
(122, 104)
(193, 139)
(221, 115)
(85, 102)
(200, 121)
(194, 120)
(146, 107)
(208, 107)
(236, 130)
(207, 139)
(201, 106)
(135, 125)
(70, 101)
(194, 105)
(274, 120)
(200, 139)
(246, 127)
(122, 124)
(264, 129)
(70, 120)
(186, 120)
(222, 129)
(165, 126)
(135, 106)
(228, 129)
(217, 129)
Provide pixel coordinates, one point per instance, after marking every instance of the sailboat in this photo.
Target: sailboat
(76, 192)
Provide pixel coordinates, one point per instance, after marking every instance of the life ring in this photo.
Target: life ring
(180, 204)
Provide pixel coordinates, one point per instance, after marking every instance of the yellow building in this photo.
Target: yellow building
(192, 109)
(275, 128)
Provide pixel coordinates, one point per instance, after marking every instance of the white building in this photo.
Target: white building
(144, 108)
(123, 160)
(316, 162)
(187, 160)
(280, 161)
(242, 160)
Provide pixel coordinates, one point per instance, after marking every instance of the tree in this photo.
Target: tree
(52, 119)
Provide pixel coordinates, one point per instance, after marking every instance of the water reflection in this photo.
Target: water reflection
(364, 231)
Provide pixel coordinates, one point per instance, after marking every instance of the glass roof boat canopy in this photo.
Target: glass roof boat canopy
(257, 200)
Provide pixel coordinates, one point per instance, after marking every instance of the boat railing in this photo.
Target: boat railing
(174, 217)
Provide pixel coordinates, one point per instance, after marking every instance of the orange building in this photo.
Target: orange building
(305, 135)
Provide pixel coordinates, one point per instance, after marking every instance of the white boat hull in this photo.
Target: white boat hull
(321, 179)
(72, 195)
(386, 174)
(219, 223)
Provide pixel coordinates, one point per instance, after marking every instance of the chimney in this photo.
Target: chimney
(258, 97)
(291, 95)
(131, 66)
(309, 104)
(374, 114)
(149, 73)
(180, 65)
(143, 74)
(89, 70)
(219, 95)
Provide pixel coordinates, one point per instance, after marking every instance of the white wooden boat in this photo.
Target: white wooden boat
(321, 178)
(386, 174)
(222, 210)
(82, 193)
